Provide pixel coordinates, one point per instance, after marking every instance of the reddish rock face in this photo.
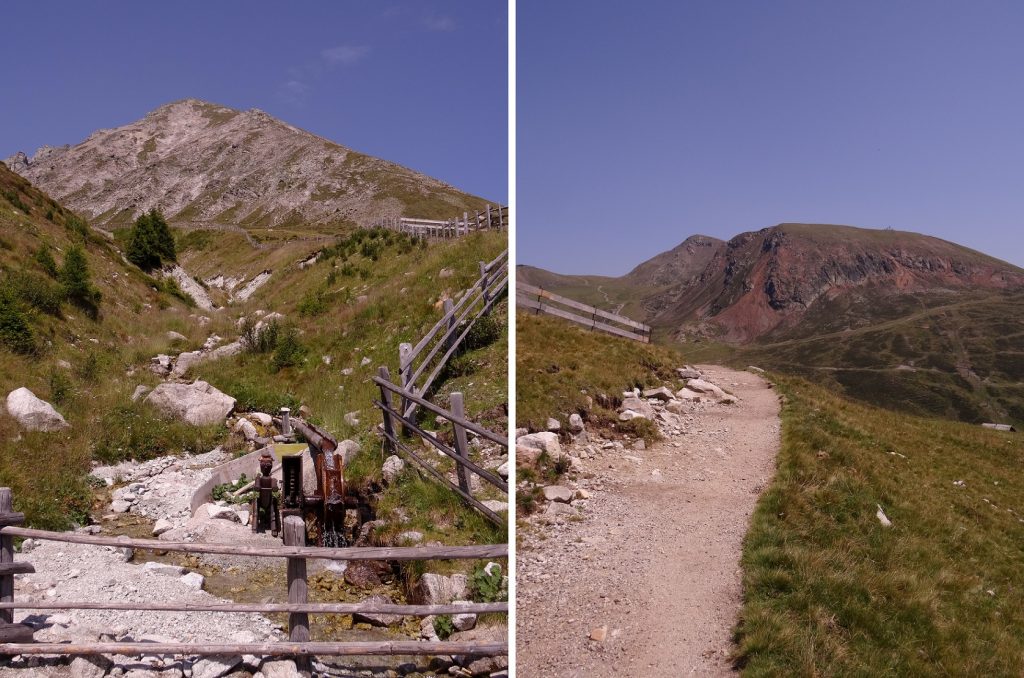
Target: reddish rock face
(795, 279)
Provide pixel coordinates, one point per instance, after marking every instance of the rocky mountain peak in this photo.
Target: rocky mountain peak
(201, 162)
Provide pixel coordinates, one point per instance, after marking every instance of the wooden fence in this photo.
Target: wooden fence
(460, 454)
(17, 638)
(420, 365)
(542, 301)
(495, 218)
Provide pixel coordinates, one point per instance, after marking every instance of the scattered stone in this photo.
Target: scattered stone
(164, 568)
(222, 512)
(176, 336)
(495, 505)
(661, 393)
(599, 634)
(280, 668)
(575, 423)
(553, 424)
(361, 575)
(393, 466)
(689, 394)
(161, 526)
(377, 619)
(160, 365)
(688, 372)
(214, 666)
(545, 441)
(364, 362)
(352, 418)
(446, 273)
(707, 387)
(261, 418)
(503, 470)
(246, 428)
(558, 493)
(882, 518)
(33, 413)
(140, 391)
(463, 621)
(120, 506)
(409, 538)
(438, 589)
(193, 580)
(94, 666)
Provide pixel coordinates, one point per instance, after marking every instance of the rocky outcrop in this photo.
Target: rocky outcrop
(34, 414)
(198, 403)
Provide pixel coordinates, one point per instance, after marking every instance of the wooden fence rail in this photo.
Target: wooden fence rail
(441, 341)
(542, 301)
(393, 416)
(490, 218)
(17, 638)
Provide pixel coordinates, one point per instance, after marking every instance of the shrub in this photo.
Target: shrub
(170, 286)
(44, 258)
(74, 276)
(314, 303)
(485, 331)
(34, 291)
(150, 243)
(60, 387)
(261, 340)
(288, 352)
(76, 225)
(487, 588)
(15, 332)
(444, 627)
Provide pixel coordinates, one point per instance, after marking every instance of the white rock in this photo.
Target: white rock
(364, 362)
(263, 420)
(197, 403)
(222, 512)
(193, 580)
(185, 362)
(882, 518)
(280, 668)
(464, 621)
(161, 526)
(89, 667)
(408, 538)
(437, 589)
(176, 336)
(503, 470)
(393, 466)
(495, 505)
(139, 392)
(352, 418)
(545, 441)
(33, 413)
(558, 493)
(164, 568)
(215, 666)
(553, 424)
(246, 428)
(119, 506)
(575, 422)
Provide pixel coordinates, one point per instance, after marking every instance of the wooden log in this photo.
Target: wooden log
(474, 552)
(483, 281)
(298, 622)
(20, 567)
(389, 424)
(6, 557)
(461, 444)
(15, 633)
(312, 608)
(12, 519)
(279, 649)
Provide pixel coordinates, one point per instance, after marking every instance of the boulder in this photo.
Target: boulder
(197, 403)
(140, 391)
(558, 493)
(628, 415)
(408, 538)
(246, 428)
(222, 513)
(438, 589)
(575, 423)
(638, 405)
(176, 336)
(261, 418)
(193, 580)
(376, 619)
(280, 668)
(553, 424)
(352, 418)
(702, 386)
(160, 365)
(686, 393)
(119, 506)
(161, 526)
(503, 470)
(348, 449)
(688, 373)
(661, 393)
(226, 351)
(495, 505)
(463, 621)
(393, 466)
(185, 362)
(164, 568)
(90, 667)
(214, 666)
(361, 575)
(545, 441)
(33, 413)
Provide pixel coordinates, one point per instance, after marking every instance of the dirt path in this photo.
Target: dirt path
(656, 557)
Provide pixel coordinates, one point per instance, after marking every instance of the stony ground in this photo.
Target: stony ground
(642, 577)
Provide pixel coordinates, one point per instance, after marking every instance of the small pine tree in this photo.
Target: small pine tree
(151, 244)
(45, 260)
(75, 277)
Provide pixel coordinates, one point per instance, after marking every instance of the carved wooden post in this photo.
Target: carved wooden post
(298, 622)
(461, 445)
(286, 423)
(389, 425)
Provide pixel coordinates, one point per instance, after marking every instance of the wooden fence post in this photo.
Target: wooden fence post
(286, 424)
(298, 622)
(404, 372)
(449, 306)
(484, 282)
(461, 445)
(488, 215)
(6, 556)
(501, 222)
(386, 399)
(465, 223)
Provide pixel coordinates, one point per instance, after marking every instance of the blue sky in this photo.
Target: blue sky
(640, 124)
(423, 84)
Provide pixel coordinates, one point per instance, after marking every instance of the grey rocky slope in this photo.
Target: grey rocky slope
(202, 162)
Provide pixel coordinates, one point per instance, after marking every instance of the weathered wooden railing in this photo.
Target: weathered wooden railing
(542, 301)
(490, 218)
(394, 418)
(17, 638)
(440, 343)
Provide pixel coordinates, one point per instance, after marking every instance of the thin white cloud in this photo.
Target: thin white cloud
(344, 55)
(294, 92)
(439, 23)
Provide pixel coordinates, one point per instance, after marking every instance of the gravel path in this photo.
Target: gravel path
(655, 559)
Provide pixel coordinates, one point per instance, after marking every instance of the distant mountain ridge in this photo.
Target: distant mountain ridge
(766, 284)
(202, 162)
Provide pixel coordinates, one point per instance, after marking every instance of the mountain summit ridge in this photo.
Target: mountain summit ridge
(203, 162)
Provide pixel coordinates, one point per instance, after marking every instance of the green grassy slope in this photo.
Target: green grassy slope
(562, 368)
(86, 367)
(956, 356)
(829, 591)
